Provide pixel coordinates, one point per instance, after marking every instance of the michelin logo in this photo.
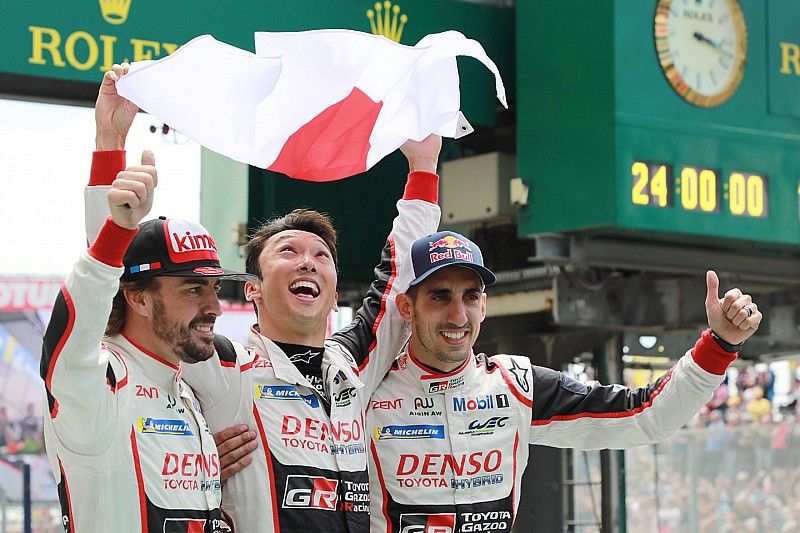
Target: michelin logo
(284, 392)
(419, 431)
(164, 426)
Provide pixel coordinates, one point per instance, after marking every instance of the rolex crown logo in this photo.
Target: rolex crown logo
(115, 11)
(386, 20)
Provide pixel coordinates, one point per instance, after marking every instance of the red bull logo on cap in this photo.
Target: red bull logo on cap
(447, 242)
(455, 248)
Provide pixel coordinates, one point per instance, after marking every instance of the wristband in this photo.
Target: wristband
(725, 345)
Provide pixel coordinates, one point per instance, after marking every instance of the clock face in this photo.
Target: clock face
(702, 47)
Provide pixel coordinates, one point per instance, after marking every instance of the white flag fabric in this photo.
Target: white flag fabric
(317, 105)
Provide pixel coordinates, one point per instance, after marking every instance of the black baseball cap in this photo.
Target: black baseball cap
(174, 247)
(445, 249)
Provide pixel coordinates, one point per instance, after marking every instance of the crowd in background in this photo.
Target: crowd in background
(21, 434)
(736, 467)
(751, 401)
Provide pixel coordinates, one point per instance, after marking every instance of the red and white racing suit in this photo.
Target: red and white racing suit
(309, 472)
(447, 451)
(128, 445)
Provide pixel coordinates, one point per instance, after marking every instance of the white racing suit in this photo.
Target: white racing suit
(128, 445)
(447, 451)
(309, 472)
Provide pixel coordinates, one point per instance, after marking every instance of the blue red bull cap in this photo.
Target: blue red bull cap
(444, 249)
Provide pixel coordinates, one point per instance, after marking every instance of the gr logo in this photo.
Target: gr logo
(427, 523)
(185, 525)
(311, 492)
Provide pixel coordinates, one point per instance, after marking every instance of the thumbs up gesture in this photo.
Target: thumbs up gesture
(131, 195)
(735, 317)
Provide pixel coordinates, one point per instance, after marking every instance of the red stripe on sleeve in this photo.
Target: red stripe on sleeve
(139, 481)
(111, 243)
(710, 356)
(384, 492)
(64, 336)
(514, 481)
(105, 166)
(422, 186)
(265, 446)
(69, 500)
(612, 414)
(382, 312)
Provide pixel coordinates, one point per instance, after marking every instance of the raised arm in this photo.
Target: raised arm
(378, 333)
(113, 116)
(568, 413)
(81, 376)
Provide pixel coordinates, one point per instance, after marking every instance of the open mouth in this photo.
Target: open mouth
(454, 337)
(304, 289)
(204, 329)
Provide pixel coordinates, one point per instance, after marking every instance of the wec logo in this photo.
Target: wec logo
(493, 422)
(311, 492)
(427, 523)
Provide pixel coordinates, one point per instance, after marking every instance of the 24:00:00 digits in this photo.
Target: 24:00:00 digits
(698, 189)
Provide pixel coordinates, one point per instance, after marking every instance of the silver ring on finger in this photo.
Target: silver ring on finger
(749, 311)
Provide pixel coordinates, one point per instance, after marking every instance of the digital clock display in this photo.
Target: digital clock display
(694, 188)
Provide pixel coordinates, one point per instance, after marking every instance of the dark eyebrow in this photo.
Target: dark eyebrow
(199, 281)
(287, 236)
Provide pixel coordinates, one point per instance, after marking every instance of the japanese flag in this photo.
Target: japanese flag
(318, 105)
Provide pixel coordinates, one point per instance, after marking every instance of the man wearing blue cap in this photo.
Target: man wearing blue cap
(472, 416)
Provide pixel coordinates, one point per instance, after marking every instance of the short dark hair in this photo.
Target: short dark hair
(320, 224)
(116, 320)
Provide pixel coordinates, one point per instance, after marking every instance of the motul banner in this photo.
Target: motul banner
(20, 294)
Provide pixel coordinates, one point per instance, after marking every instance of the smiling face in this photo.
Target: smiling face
(182, 312)
(297, 289)
(445, 312)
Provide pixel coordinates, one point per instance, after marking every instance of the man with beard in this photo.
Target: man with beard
(471, 417)
(128, 445)
(304, 396)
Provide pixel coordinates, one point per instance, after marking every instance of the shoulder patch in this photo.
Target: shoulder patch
(225, 349)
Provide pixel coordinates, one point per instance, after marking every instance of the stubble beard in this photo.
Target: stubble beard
(429, 342)
(179, 337)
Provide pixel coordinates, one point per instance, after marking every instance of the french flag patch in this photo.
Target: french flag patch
(145, 267)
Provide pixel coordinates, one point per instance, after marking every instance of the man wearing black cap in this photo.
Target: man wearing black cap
(470, 417)
(128, 445)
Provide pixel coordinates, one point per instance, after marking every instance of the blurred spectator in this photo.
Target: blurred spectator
(30, 425)
(719, 401)
(765, 378)
(7, 430)
(759, 407)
